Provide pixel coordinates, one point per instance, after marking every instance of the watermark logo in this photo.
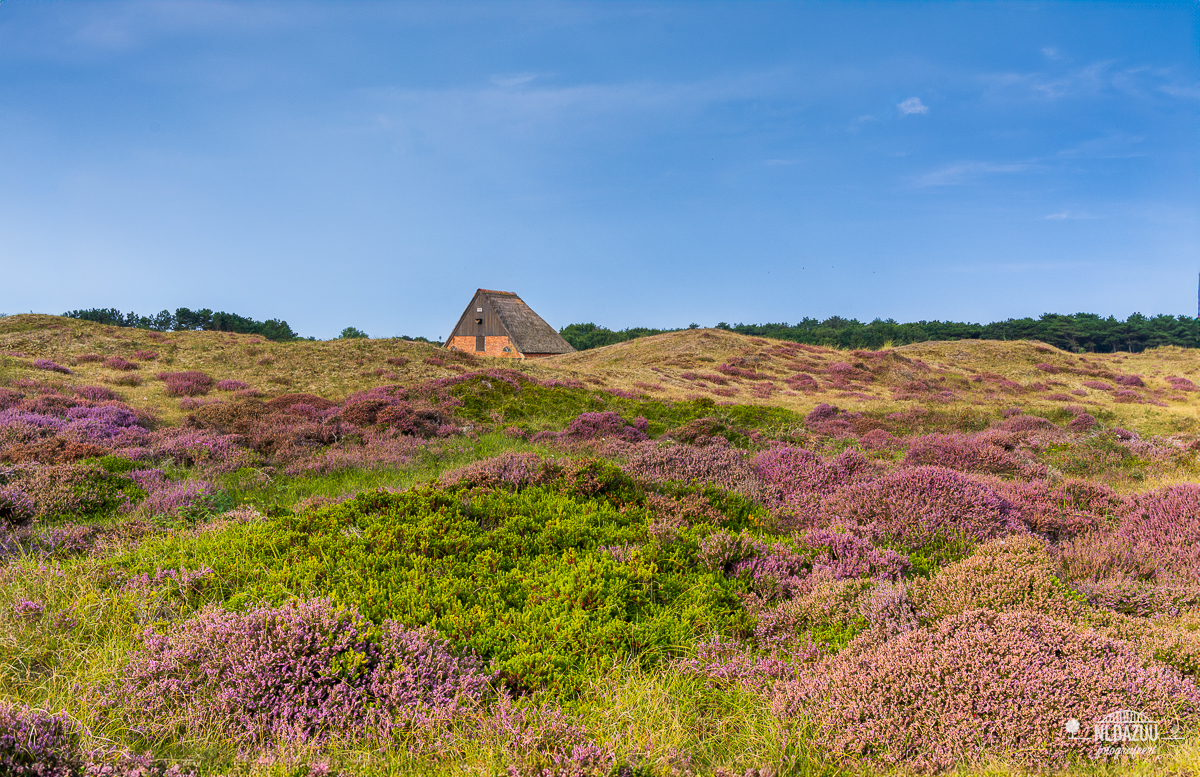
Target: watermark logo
(1124, 732)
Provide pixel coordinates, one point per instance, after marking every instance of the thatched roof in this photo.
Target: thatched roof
(525, 328)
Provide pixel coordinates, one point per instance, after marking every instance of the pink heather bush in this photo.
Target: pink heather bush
(97, 393)
(802, 382)
(544, 741)
(89, 357)
(208, 451)
(508, 470)
(231, 385)
(145, 355)
(296, 673)
(117, 363)
(191, 383)
(879, 440)
(726, 662)
(1062, 509)
(172, 497)
(1099, 385)
(781, 570)
(844, 555)
(1181, 384)
(9, 398)
(794, 479)
(917, 505)
(34, 743)
(981, 685)
(16, 508)
(595, 426)
(378, 450)
(717, 464)
(1027, 423)
(970, 453)
(1130, 380)
(1084, 422)
(1050, 368)
(46, 364)
(1164, 525)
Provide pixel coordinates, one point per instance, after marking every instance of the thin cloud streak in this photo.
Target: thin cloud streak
(966, 172)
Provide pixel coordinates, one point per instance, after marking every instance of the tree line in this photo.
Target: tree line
(184, 320)
(1079, 333)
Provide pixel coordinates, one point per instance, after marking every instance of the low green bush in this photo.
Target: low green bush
(550, 582)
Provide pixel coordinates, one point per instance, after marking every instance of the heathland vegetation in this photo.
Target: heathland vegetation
(1078, 333)
(694, 553)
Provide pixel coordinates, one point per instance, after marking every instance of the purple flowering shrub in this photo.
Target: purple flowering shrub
(231, 385)
(971, 453)
(207, 451)
(46, 364)
(717, 464)
(1164, 526)
(97, 393)
(34, 743)
(16, 508)
(543, 740)
(795, 479)
(917, 506)
(726, 662)
(508, 470)
(190, 383)
(981, 685)
(594, 426)
(119, 364)
(1181, 384)
(295, 673)
(169, 498)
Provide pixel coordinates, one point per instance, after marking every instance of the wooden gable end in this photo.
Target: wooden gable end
(479, 320)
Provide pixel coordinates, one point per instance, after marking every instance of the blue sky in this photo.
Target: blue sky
(632, 164)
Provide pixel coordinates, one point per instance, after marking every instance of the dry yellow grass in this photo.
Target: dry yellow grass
(664, 366)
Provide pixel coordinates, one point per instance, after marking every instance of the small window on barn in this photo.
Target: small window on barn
(478, 310)
(507, 349)
(479, 321)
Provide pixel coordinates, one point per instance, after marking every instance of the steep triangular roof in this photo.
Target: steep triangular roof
(527, 330)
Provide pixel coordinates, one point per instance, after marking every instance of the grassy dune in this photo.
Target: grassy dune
(693, 553)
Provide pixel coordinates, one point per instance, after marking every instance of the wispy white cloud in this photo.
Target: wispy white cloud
(1186, 92)
(1116, 146)
(1095, 79)
(1049, 52)
(1070, 215)
(514, 79)
(964, 172)
(912, 105)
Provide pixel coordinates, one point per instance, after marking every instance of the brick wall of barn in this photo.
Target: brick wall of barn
(492, 346)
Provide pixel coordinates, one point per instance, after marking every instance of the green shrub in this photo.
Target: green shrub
(528, 579)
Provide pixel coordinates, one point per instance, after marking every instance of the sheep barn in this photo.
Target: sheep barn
(499, 323)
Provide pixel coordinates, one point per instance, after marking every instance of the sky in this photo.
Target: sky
(623, 163)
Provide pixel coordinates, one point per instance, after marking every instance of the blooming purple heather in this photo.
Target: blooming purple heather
(981, 685)
(294, 673)
(917, 505)
(34, 743)
(46, 364)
